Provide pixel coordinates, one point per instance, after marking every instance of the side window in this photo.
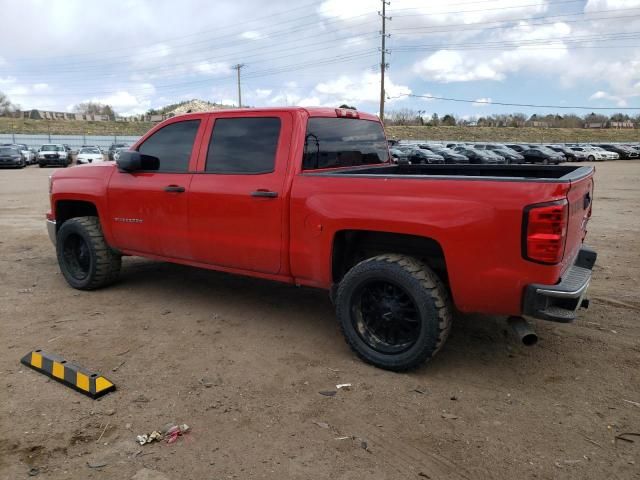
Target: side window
(243, 145)
(172, 145)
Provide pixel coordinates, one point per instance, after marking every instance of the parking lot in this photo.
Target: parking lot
(242, 362)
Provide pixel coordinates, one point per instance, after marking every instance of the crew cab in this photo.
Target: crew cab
(309, 197)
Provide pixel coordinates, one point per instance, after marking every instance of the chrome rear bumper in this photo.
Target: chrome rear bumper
(51, 229)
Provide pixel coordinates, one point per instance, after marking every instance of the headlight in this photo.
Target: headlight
(41, 155)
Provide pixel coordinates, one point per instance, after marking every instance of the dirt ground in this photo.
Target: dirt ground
(242, 362)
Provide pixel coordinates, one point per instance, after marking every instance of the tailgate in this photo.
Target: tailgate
(580, 198)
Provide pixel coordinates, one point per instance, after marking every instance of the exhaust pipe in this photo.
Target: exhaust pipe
(522, 329)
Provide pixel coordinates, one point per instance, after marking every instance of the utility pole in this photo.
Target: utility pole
(383, 50)
(237, 68)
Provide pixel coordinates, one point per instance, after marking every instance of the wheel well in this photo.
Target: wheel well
(66, 209)
(352, 246)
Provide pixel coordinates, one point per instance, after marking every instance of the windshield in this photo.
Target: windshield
(343, 142)
(7, 151)
(90, 150)
(51, 148)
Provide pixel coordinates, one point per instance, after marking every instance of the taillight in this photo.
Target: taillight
(545, 231)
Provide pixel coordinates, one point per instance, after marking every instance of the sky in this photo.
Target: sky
(142, 54)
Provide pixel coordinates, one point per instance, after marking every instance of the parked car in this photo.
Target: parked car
(397, 248)
(570, 155)
(27, 153)
(114, 147)
(608, 154)
(624, 152)
(518, 147)
(419, 156)
(479, 156)
(12, 157)
(596, 154)
(449, 155)
(399, 156)
(118, 151)
(53, 154)
(511, 156)
(89, 155)
(544, 155)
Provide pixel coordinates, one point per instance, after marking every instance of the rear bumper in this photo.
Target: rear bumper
(560, 302)
(51, 230)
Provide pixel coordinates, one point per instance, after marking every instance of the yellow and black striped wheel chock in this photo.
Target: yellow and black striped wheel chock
(74, 376)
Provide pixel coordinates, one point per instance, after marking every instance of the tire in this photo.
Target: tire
(428, 301)
(41, 165)
(591, 158)
(85, 259)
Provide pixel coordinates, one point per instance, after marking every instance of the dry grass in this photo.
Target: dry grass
(529, 135)
(69, 127)
(507, 134)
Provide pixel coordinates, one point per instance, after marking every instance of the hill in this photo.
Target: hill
(498, 134)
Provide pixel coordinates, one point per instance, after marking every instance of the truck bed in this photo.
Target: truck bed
(528, 173)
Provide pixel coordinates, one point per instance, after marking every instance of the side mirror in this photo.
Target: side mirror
(132, 161)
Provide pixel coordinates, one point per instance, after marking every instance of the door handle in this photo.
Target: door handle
(174, 188)
(264, 194)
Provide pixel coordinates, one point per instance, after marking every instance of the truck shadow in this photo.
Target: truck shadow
(477, 342)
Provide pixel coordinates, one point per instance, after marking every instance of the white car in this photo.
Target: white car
(28, 155)
(53, 154)
(89, 155)
(592, 155)
(606, 153)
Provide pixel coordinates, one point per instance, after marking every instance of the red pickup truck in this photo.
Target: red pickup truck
(309, 196)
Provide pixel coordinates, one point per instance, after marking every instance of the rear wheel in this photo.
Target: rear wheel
(85, 259)
(394, 311)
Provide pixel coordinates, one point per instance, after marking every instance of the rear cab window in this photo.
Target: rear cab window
(343, 142)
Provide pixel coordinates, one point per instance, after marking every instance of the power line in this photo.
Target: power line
(258, 74)
(529, 105)
(464, 26)
(197, 34)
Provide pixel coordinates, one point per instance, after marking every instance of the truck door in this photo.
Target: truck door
(148, 209)
(236, 200)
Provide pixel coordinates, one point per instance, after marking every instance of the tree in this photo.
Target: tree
(404, 116)
(344, 105)
(94, 108)
(6, 107)
(449, 120)
(435, 120)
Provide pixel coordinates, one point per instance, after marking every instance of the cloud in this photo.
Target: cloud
(356, 89)
(450, 65)
(482, 102)
(599, 5)
(214, 69)
(126, 103)
(602, 95)
(251, 35)
(262, 92)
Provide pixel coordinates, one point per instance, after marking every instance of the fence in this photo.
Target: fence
(74, 141)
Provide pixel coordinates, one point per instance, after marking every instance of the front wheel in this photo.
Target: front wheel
(591, 158)
(85, 259)
(394, 311)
